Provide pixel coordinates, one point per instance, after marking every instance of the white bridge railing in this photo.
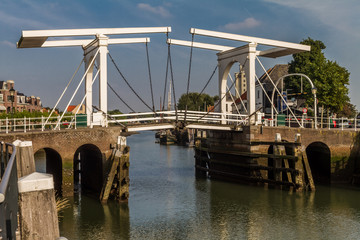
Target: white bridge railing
(75, 121)
(191, 116)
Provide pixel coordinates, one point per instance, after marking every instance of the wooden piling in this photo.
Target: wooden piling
(37, 207)
(116, 185)
(24, 158)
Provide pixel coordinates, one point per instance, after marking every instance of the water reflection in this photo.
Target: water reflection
(167, 202)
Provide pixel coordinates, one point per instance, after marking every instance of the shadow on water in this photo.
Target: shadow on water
(168, 202)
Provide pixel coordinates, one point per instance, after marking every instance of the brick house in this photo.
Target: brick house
(21, 102)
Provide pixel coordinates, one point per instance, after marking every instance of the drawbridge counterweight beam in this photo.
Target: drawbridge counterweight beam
(36, 38)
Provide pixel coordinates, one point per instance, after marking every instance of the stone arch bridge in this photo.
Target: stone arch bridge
(333, 154)
(67, 152)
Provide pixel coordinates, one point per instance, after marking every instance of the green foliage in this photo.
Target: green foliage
(115, 111)
(23, 114)
(329, 78)
(349, 111)
(194, 101)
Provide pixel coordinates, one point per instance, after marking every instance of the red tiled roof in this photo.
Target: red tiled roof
(71, 108)
(243, 97)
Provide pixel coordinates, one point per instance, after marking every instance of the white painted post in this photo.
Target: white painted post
(250, 78)
(75, 121)
(14, 120)
(102, 57)
(342, 123)
(24, 124)
(42, 123)
(7, 125)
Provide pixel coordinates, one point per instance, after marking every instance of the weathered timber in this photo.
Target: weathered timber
(254, 167)
(274, 143)
(306, 164)
(299, 179)
(116, 185)
(114, 158)
(24, 158)
(250, 178)
(124, 176)
(37, 207)
(249, 154)
(308, 171)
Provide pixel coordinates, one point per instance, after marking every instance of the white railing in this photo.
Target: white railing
(309, 122)
(36, 124)
(191, 116)
(74, 121)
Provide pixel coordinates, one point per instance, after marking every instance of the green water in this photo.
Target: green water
(168, 202)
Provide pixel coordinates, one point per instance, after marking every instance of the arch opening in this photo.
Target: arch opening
(88, 169)
(47, 160)
(319, 157)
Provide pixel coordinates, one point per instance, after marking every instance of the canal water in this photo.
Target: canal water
(168, 202)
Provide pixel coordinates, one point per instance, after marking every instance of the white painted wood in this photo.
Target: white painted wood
(199, 45)
(243, 38)
(35, 182)
(149, 128)
(85, 42)
(93, 31)
(210, 127)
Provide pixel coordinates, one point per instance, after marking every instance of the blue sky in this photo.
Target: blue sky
(45, 72)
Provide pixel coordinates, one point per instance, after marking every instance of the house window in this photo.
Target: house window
(1, 97)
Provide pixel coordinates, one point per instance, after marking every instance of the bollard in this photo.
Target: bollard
(37, 207)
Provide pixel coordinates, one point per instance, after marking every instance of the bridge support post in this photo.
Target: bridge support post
(244, 55)
(101, 44)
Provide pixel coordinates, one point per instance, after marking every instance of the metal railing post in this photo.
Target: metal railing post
(7, 125)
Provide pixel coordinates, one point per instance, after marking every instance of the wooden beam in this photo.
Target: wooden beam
(243, 38)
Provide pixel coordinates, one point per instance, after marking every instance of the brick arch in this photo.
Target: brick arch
(88, 168)
(53, 165)
(319, 156)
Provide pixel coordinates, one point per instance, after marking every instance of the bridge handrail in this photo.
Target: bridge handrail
(8, 192)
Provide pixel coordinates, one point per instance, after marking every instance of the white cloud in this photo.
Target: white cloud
(159, 10)
(7, 43)
(247, 23)
(11, 20)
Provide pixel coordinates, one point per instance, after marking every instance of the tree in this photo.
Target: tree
(194, 101)
(349, 111)
(329, 78)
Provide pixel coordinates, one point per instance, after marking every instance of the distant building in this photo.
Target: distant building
(74, 109)
(20, 103)
(261, 100)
